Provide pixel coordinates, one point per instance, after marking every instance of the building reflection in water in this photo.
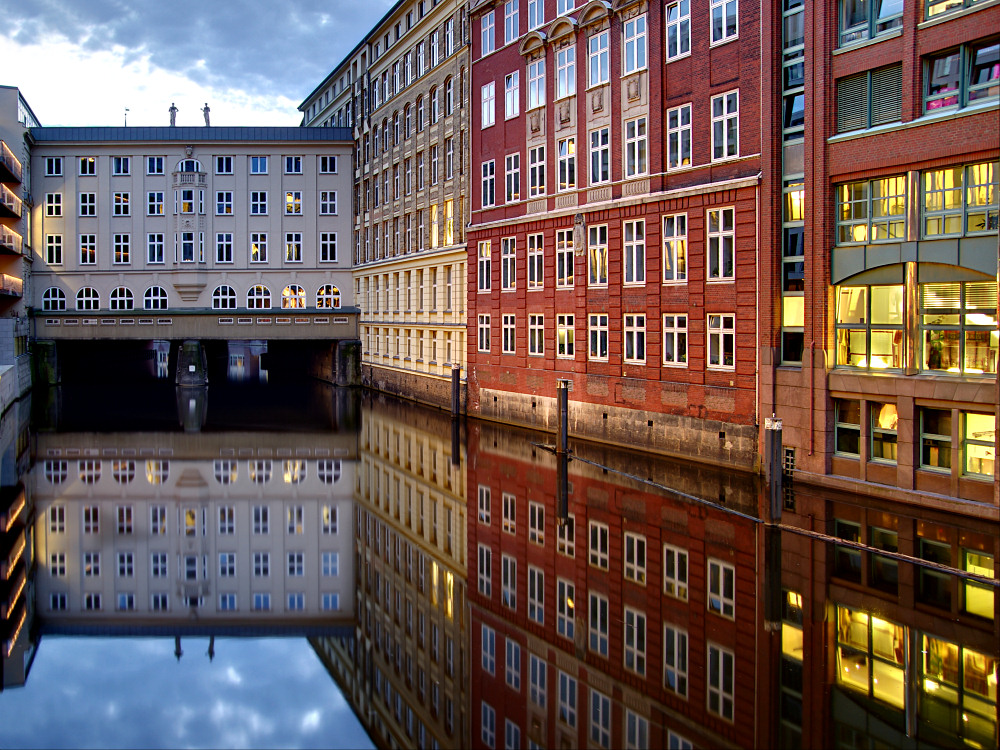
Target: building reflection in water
(459, 601)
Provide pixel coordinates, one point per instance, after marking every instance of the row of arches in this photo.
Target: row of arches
(224, 297)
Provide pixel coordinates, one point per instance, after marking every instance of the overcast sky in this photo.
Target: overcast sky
(83, 62)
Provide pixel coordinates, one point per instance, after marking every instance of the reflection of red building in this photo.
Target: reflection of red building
(613, 236)
(642, 611)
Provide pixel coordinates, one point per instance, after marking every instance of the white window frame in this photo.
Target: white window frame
(536, 261)
(511, 21)
(598, 55)
(636, 148)
(600, 156)
(719, 8)
(635, 55)
(634, 338)
(536, 82)
(512, 95)
(512, 178)
(635, 641)
(675, 329)
(725, 108)
(634, 253)
(508, 263)
(536, 14)
(675, 664)
(721, 328)
(597, 255)
(565, 259)
(484, 332)
(598, 555)
(678, 27)
(489, 170)
(485, 266)
(679, 137)
(488, 40)
(565, 336)
(598, 610)
(635, 558)
(565, 72)
(721, 576)
(536, 595)
(719, 690)
(566, 164)
(720, 228)
(489, 99)
(536, 171)
(536, 334)
(597, 337)
(509, 333)
(674, 233)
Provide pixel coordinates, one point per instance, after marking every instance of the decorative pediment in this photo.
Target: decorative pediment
(534, 41)
(594, 12)
(561, 28)
(623, 5)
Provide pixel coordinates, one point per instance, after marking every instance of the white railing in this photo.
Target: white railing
(8, 158)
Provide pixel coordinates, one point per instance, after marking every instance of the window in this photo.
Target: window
(261, 564)
(635, 45)
(120, 204)
(227, 516)
(537, 680)
(600, 719)
(88, 298)
(566, 154)
(536, 13)
(597, 348)
(154, 203)
(565, 336)
(678, 29)
(883, 432)
(261, 602)
(508, 267)
(258, 165)
(721, 243)
(726, 125)
(567, 699)
(53, 249)
(121, 165)
(536, 171)
(508, 570)
(223, 203)
(258, 202)
(675, 247)
(511, 21)
(600, 156)
(513, 671)
(635, 339)
(635, 147)
(565, 616)
(675, 572)
(675, 659)
(224, 298)
(536, 265)
(869, 327)
(566, 536)
(485, 580)
(293, 297)
(488, 44)
(328, 296)
(635, 252)
(126, 567)
(88, 166)
(536, 523)
(489, 183)
(223, 165)
(599, 544)
(597, 47)
(258, 247)
(121, 299)
(53, 204)
(57, 564)
(485, 274)
(53, 166)
(564, 258)
(721, 342)
(978, 435)
(293, 247)
(489, 103)
(227, 564)
(88, 204)
(122, 246)
(224, 247)
(868, 658)
(635, 558)
(328, 165)
(293, 165)
(977, 598)
(866, 19)
(261, 517)
(724, 20)
(489, 650)
(565, 72)
(960, 200)
(296, 564)
(328, 247)
(721, 677)
(536, 595)
(53, 299)
(721, 588)
(598, 615)
(293, 202)
(872, 211)
(489, 724)
(536, 79)
(536, 335)
(597, 255)
(865, 100)
(512, 95)
(513, 178)
(91, 563)
(159, 565)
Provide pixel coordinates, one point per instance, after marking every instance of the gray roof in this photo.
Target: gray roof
(191, 134)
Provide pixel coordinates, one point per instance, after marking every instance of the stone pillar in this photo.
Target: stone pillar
(347, 363)
(192, 364)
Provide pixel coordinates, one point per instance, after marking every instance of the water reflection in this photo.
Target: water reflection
(458, 598)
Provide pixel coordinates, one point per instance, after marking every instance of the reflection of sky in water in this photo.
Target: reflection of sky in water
(132, 692)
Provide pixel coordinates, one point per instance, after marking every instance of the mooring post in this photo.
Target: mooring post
(562, 424)
(772, 449)
(456, 390)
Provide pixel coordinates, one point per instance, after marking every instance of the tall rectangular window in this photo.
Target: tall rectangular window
(484, 333)
(489, 96)
(675, 572)
(722, 342)
(597, 48)
(508, 571)
(724, 20)
(634, 44)
(564, 258)
(565, 608)
(675, 247)
(508, 267)
(485, 269)
(54, 249)
(634, 251)
(489, 169)
(600, 156)
(88, 249)
(565, 72)
(511, 21)
(485, 575)
(567, 699)
(597, 329)
(536, 595)
(674, 345)
(726, 125)
(566, 155)
(635, 339)
(635, 147)
(597, 255)
(599, 545)
(721, 588)
(678, 29)
(509, 333)
(598, 615)
(536, 335)
(635, 558)
(488, 25)
(565, 336)
(536, 81)
(512, 95)
(536, 264)
(536, 171)
(513, 662)
(537, 674)
(721, 243)
(536, 13)
(512, 181)
(600, 719)
(675, 659)
(635, 641)
(721, 679)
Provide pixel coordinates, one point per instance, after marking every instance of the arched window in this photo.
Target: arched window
(433, 96)
(53, 298)
(189, 165)
(121, 298)
(123, 471)
(329, 470)
(449, 96)
(224, 298)
(293, 296)
(385, 134)
(420, 113)
(328, 296)
(395, 128)
(155, 298)
(408, 121)
(259, 297)
(88, 299)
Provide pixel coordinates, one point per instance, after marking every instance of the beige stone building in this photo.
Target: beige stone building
(402, 90)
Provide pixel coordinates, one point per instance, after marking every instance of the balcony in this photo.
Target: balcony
(10, 242)
(10, 167)
(10, 204)
(11, 286)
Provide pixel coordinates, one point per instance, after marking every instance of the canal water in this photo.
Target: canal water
(287, 564)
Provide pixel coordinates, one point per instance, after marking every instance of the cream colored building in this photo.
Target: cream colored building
(402, 90)
(406, 672)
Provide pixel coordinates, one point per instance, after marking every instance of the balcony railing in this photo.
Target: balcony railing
(10, 161)
(11, 285)
(11, 240)
(10, 201)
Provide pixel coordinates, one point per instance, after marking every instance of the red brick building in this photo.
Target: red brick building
(614, 220)
(881, 221)
(635, 622)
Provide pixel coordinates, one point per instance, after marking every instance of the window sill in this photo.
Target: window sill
(852, 46)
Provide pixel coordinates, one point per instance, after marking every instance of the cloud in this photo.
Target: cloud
(260, 46)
